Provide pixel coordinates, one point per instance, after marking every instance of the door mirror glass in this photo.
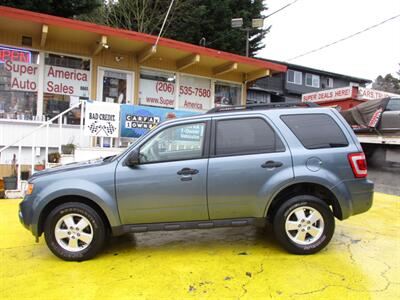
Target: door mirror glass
(133, 159)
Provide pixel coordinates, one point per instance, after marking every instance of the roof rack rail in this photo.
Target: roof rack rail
(260, 106)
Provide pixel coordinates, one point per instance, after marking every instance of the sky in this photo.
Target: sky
(310, 24)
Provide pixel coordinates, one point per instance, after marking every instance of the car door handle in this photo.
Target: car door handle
(187, 171)
(271, 164)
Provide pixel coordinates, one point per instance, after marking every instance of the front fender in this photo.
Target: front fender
(76, 187)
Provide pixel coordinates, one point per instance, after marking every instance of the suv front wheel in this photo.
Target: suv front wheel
(304, 224)
(74, 231)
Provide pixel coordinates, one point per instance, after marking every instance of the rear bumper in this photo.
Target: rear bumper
(355, 196)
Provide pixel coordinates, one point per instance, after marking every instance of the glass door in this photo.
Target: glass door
(114, 86)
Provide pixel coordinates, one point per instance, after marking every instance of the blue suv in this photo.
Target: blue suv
(292, 166)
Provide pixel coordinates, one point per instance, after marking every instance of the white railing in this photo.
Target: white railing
(32, 133)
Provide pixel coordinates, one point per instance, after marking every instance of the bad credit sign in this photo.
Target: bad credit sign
(102, 119)
(66, 81)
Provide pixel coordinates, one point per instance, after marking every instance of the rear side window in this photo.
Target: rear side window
(316, 131)
(246, 136)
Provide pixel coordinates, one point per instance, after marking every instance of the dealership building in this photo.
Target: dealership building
(49, 64)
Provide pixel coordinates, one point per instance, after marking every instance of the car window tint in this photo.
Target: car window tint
(316, 131)
(393, 105)
(174, 143)
(246, 136)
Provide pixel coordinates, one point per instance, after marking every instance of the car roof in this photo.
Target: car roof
(237, 112)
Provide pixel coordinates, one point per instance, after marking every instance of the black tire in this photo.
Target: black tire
(96, 229)
(287, 210)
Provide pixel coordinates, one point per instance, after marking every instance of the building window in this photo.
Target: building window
(194, 93)
(329, 82)
(227, 94)
(294, 77)
(19, 70)
(157, 88)
(312, 80)
(66, 81)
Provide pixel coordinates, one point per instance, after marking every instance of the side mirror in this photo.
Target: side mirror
(133, 159)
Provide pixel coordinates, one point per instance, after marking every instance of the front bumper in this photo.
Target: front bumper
(25, 213)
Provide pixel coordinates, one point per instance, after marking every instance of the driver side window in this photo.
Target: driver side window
(174, 143)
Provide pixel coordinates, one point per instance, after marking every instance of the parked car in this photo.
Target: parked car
(297, 168)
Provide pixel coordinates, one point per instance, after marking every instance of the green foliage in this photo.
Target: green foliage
(189, 21)
(62, 8)
(388, 84)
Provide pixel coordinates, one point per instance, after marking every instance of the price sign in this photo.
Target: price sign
(194, 93)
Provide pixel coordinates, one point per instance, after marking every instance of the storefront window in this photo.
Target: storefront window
(157, 88)
(194, 93)
(66, 81)
(227, 94)
(18, 83)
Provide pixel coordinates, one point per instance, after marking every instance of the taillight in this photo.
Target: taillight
(358, 164)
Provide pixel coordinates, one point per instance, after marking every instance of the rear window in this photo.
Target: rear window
(316, 131)
(246, 136)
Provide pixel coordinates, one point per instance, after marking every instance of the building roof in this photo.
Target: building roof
(131, 41)
(318, 71)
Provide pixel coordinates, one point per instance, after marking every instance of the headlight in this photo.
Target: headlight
(29, 189)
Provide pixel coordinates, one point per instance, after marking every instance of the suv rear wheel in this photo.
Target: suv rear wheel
(74, 231)
(304, 224)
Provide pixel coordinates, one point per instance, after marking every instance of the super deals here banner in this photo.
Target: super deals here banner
(102, 119)
(137, 120)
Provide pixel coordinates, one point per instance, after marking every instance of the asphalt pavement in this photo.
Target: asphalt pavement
(386, 179)
(361, 262)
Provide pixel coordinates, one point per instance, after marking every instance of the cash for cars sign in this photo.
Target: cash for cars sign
(102, 119)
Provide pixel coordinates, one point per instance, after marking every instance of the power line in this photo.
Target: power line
(282, 8)
(343, 39)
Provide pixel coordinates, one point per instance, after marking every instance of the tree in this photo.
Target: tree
(190, 21)
(387, 84)
(61, 8)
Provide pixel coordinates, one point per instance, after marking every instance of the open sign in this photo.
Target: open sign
(13, 54)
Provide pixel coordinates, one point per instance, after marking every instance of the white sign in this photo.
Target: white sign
(66, 81)
(194, 93)
(24, 76)
(157, 93)
(369, 94)
(102, 119)
(328, 95)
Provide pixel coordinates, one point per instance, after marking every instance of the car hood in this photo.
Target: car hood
(69, 167)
